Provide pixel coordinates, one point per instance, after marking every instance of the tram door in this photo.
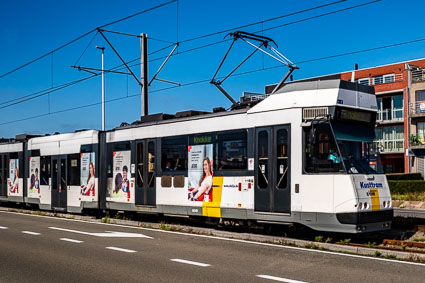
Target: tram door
(145, 173)
(272, 172)
(3, 175)
(59, 182)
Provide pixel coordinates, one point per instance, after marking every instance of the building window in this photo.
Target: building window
(363, 81)
(420, 129)
(384, 79)
(390, 108)
(390, 78)
(390, 139)
(378, 80)
(420, 95)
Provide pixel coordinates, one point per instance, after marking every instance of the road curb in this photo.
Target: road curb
(373, 252)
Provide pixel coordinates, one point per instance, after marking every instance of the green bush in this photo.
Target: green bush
(406, 187)
(404, 177)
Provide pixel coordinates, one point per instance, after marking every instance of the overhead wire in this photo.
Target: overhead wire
(84, 35)
(207, 45)
(121, 66)
(234, 75)
(264, 21)
(84, 51)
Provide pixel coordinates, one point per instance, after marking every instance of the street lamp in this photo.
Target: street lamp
(103, 86)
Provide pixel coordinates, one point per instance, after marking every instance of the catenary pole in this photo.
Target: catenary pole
(144, 73)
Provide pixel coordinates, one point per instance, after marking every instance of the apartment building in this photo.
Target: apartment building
(400, 123)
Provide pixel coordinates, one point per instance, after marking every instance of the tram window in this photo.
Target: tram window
(151, 164)
(174, 154)
(13, 155)
(263, 159)
(232, 151)
(74, 169)
(139, 175)
(1, 171)
(122, 146)
(282, 158)
(321, 154)
(45, 170)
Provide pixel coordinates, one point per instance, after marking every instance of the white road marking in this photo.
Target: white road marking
(31, 233)
(280, 279)
(225, 239)
(71, 240)
(121, 250)
(108, 234)
(3, 228)
(190, 262)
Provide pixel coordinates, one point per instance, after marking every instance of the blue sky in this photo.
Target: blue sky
(29, 29)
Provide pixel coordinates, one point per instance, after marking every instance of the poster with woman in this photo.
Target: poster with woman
(33, 180)
(87, 176)
(13, 177)
(121, 190)
(200, 172)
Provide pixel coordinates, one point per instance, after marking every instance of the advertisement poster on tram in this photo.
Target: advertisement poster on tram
(87, 175)
(122, 184)
(33, 180)
(200, 173)
(13, 183)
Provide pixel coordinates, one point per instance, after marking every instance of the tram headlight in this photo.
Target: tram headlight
(384, 203)
(360, 205)
(365, 205)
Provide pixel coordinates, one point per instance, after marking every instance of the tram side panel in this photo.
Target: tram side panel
(62, 173)
(120, 172)
(12, 172)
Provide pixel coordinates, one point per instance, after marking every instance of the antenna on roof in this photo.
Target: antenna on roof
(265, 43)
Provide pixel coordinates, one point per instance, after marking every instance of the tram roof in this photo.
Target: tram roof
(319, 93)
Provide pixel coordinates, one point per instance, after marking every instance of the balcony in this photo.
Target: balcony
(417, 109)
(390, 146)
(382, 79)
(418, 75)
(390, 115)
(385, 79)
(416, 141)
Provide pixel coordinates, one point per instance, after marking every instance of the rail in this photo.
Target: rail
(417, 108)
(385, 79)
(388, 115)
(418, 75)
(387, 146)
(416, 140)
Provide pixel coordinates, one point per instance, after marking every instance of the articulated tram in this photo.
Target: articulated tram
(304, 154)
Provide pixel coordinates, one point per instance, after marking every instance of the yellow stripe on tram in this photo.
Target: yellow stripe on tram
(374, 197)
(212, 209)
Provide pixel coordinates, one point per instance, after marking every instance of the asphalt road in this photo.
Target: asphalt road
(43, 249)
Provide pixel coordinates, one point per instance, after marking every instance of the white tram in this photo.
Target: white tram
(302, 155)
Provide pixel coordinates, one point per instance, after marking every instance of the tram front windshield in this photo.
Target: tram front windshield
(358, 152)
(341, 147)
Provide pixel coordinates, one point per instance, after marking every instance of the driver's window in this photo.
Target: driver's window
(321, 154)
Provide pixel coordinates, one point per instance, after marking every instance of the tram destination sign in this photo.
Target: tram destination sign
(354, 115)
